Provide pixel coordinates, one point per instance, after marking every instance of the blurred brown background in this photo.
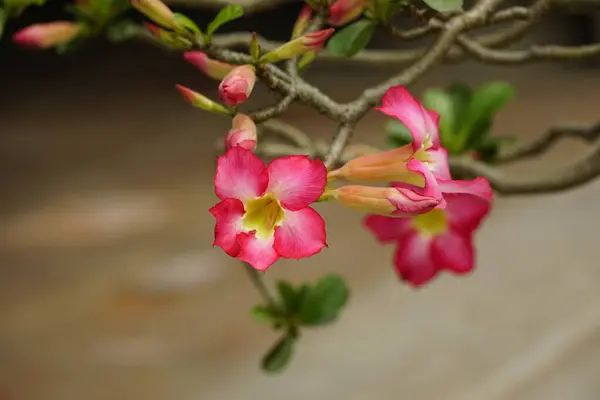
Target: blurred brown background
(109, 287)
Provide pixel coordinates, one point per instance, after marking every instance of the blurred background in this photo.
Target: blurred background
(110, 289)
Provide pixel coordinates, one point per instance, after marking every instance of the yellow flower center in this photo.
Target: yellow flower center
(263, 215)
(434, 222)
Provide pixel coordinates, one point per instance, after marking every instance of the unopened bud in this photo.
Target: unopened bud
(200, 101)
(43, 36)
(236, 87)
(170, 39)
(157, 11)
(242, 133)
(344, 11)
(303, 44)
(302, 22)
(212, 68)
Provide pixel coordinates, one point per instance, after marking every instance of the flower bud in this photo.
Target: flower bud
(170, 39)
(303, 44)
(302, 22)
(43, 36)
(398, 202)
(157, 11)
(344, 11)
(242, 133)
(212, 68)
(200, 101)
(385, 166)
(237, 85)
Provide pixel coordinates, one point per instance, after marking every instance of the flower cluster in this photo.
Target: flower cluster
(428, 215)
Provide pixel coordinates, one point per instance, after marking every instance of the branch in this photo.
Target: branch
(290, 133)
(337, 145)
(543, 143)
(262, 115)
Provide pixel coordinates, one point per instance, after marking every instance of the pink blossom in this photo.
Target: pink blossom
(242, 133)
(43, 36)
(237, 85)
(344, 11)
(440, 239)
(211, 68)
(264, 212)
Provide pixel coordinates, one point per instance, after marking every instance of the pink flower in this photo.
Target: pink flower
(211, 68)
(392, 165)
(264, 212)
(302, 22)
(344, 11)
(440, 239)
(242, 133)
(43, 36)
(311, 42)
(315, 41)
(237, 85)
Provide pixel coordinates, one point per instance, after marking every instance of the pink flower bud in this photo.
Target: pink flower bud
(242, 134)
(211, 68)
(302, 22)
(303, 44)
(168, 38)
(157, 11)
(43, 36)
(200, 101)
(344, 11)
(237, 85)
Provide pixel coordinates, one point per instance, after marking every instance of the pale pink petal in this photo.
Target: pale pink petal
(438, 163)
(257, 252)
(398, 102)
(240, 175)
(468, 202)
(413, 261)
(413, 200)
(229, 214)
(296, 181)
(387, 229)
(454, 252)
(301, 234)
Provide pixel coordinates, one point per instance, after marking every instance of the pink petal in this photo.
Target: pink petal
(257, 252)
(240, 175)
(387, 229)
(454, 252)
(296, 181)
(438, 163)
(301, 234)
(414, 200)
(413, 261)
(398, 102)
(229, 214)
(468, 202)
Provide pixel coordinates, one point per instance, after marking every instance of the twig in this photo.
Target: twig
(257, 280)
(543, 143)
(264, 114)
(339, 142)
(290, 133)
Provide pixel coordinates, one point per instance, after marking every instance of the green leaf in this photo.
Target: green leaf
(279, 355)
(398, 133)
(461, 97)
(121, 31)
(484, 104)
(187, 24)
(445, 5)
(442, 102)
(351, 39)
(291, 297)
(323, 301)
(227, 14)
(266, 314)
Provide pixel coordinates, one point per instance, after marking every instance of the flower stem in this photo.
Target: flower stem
(257, 280)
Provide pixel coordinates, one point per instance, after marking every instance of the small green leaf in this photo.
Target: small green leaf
(324, 301)
(485, 103)
(351, 39)
(291, 297)
(227, 14)
(121, 31)
(279, 355)
(187, 24)
(442, 103)
(445, 5)
(461, 97)
(398, 134)
(265, 314)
